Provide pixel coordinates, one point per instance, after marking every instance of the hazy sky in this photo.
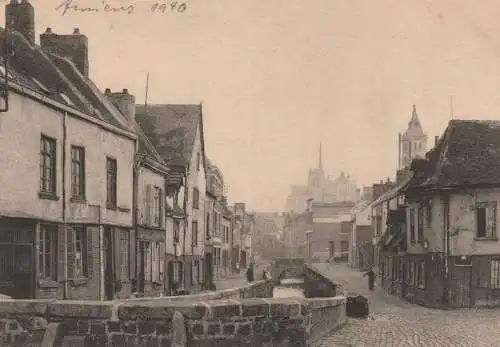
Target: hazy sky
(277, 77)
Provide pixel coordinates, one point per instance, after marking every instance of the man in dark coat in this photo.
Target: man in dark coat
(250, 273)
(371, 279)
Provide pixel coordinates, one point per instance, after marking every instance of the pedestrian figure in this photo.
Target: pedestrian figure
(371, 279)
(250, 273)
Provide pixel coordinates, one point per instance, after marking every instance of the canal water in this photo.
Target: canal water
(289, 288)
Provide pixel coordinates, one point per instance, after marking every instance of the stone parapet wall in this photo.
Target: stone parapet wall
(233, 317)
(318, 285)
(234, 322)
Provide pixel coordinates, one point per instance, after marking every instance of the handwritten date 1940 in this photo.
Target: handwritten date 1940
(168, 6)
(103, 6)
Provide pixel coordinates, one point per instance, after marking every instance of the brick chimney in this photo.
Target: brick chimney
(20, 17)
(74, 47)
(124, 102)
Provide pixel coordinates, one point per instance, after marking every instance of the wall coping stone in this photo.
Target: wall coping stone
(321, 273)
(80, 308)
(37, 307)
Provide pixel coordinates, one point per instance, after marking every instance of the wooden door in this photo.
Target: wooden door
(461, 286)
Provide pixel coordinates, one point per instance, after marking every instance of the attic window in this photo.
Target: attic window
(66, 99)
(40, 85)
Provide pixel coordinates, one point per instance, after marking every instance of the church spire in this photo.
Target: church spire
(320, 164)
(414, 117)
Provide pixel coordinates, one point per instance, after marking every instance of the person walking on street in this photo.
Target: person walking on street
(250, 273)
(371, 279)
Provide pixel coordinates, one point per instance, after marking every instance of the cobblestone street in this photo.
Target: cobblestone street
(396, 323)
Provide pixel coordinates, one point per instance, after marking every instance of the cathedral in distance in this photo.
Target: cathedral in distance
(321, 187)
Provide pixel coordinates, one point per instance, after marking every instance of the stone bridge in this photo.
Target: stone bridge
(282, 268)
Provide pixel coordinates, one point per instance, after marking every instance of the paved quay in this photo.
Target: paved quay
(394, 322)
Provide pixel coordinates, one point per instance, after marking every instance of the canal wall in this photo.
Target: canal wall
(233, 317)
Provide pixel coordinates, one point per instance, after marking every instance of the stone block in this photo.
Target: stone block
(24, 307)
(229, 329)
(87, 309)
(223, 309)
(255, 307)
(286, 307)
(135, 311)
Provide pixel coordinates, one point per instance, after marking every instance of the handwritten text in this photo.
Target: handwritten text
(161, 6)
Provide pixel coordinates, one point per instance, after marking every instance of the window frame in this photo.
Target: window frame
(494, 280)
(196, 198)
(48, 259)
(413, 233)
(420, 225)
(48, 173)
(78, 171)
(83, 244)
(421, 280)
(194, 233)
(156, 200)
(111, 182)
(490, 220)
(176, 231)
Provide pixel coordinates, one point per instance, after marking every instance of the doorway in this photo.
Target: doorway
(109, 292)
(17, 258)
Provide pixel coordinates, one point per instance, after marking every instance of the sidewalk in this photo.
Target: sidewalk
(353, 283)
(239, 280)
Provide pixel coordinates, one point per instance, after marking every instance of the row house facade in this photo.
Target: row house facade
(295, 233)
(243, 230)
(361, 241)
(66, 207)
(176, 132)
(218, 226)
(331, 230)
(451, 221)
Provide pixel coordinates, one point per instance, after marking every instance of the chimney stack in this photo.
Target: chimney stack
(436, 140)
(74, 47)
(124, 102)
(20, 17)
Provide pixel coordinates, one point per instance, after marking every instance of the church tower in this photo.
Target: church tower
(412, 143)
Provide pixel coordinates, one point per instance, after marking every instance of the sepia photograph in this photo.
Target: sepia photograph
(221, 173)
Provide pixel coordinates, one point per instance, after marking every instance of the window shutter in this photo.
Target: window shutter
(91, 234)
(148, 204)
(160, 207)
(162, 262)
(132, 254)
(71, 252)
(490, 220)
(61, 261)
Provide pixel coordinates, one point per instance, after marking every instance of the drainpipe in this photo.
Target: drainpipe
(101, 252)
(135, 214)
(184, 204)
(447, 247)
(65, 226)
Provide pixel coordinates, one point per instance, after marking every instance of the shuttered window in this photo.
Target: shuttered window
(148, 205)
(486, 220)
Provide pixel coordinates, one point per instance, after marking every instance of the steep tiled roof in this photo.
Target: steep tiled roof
(58, 79)
(171, 129)
(468, 154)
